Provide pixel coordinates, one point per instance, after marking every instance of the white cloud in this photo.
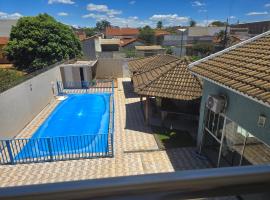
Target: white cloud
(133, 21)
(61, 1)
(170, 19)
(63, 14)
(132, 2)
(257, 13)
(267, 5)
(4, 15)
(103, 9)
(232, 17)
(197, 3)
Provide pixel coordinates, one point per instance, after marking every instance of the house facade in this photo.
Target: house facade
(254, 28)
(234, 122)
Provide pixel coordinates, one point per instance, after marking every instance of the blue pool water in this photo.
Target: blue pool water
(79, 124)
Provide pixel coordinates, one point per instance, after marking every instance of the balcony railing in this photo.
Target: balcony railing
(230, 181)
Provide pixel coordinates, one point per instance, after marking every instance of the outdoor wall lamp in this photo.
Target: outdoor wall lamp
(261, 121)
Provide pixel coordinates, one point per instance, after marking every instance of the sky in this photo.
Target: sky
(138, 13)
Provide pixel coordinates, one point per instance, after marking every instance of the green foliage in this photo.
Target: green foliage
(36, 42)
(192, 23)
(90, 31)
(159, 25)
(8, 76)
(130, 53)
(203, 48)
(218, 23)
(102, 25)
(169, 51)
(147, 34)
(195, 58)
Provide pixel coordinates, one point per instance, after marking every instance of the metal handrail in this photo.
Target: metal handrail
(178, 185)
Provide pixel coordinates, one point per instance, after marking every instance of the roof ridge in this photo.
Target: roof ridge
(229, 48)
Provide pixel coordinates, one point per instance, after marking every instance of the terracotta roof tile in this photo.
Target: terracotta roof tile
(4, 40)
(126, 41)
(244, 67)
(121, 31)
(165, 76)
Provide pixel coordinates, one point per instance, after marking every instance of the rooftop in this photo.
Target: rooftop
(3, 40)
(159, 32)
(244, 68)
(110, 41)
(165, 76)
(148, 48)
(126, 41)
(121, 31)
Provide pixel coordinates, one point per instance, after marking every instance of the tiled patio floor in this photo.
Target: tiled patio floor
(132, 138)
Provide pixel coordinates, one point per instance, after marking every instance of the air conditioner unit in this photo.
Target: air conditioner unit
(216, 103)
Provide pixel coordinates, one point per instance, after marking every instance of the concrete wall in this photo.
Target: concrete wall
(88, 48)
(20, 104)
(110, 68)
(240, 109)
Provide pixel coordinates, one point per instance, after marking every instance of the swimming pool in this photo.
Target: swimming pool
(79, 124)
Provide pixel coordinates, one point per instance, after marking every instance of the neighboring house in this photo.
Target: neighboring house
(80, 34)
(110, 44)
(172, 92)
(5, 26)
(144, 51)
(5, 29)
(90, 46)
(121, 33)
(177, 42)
(3, 43)
(159, 36)
(254, 28)
(235, 108)
(78, 74)
(131, 43)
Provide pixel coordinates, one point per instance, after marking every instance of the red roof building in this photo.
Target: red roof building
(121, 32)
(3, 43)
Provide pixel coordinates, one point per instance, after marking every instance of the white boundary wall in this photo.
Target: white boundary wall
(20, 104)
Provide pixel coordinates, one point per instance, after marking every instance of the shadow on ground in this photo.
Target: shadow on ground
(128, 90)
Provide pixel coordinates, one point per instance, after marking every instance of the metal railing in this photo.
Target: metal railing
(189, 184)
(29, 150)
(95, 86)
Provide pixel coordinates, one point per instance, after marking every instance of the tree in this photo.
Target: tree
(159, 25)
(218, 23)
(36, 42)
(147, 34)
(169, 51)
(90, 31)
(203, 48)
(192, 23)
(224, 38)
(102, 25)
